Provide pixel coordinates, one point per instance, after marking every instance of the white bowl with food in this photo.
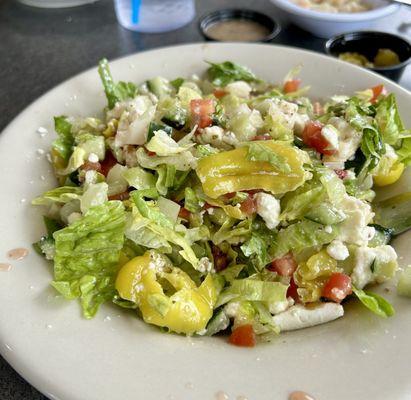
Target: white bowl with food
(326, 18)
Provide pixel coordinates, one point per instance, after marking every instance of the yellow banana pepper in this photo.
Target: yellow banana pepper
(187, 310)
(391, 176)
(231, 171)
(312, 275)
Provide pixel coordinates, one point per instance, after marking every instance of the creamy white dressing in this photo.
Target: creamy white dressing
(237, 30)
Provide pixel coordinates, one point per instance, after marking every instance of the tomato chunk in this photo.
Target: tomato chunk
(312, 137)
(248, 206)
(284, 266)
(201, 112)
(338, 287)
(291, 86)
(243, 335)
(377, 91)
(184, 213)
(219, 93)
(108, 163)
(261, 137)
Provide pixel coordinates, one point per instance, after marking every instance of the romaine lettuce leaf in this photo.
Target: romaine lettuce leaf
(388, 120)
(258, 152)
(87, 256)
(302, 235)
(226, 72)
(377, 304)
(63, 145)
(60, 195)
(115, 92)
(138, 178)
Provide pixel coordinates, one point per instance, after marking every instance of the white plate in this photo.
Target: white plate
(116, 356)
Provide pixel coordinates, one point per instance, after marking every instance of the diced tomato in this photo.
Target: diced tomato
(248, 206)
(252, 192)
(184, 213)
(243, 336)
(291, 86)
(206, 206)
(201, 111)
(151, 153)
(261, 137)
(91, 166)
(220, 258)
(120, 196)
(108, 163)
(312, 137)
(338, 287)
(219, 93)
(341, 173)
(292, 291)
(377, 91)
(284, 266)
(318, 108)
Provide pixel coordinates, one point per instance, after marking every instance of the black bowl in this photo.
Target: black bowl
(367, 43)
(273, 27)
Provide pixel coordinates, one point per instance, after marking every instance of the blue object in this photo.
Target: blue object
(135, 7)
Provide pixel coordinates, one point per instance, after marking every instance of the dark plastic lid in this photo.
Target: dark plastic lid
(215, 17)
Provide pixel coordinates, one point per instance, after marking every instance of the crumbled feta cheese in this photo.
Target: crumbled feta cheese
(330, 133)
(93, 158)
(268, 208)
(349, 141)
(362, 274)
(157, 261)
(358, 215)
(328, 229)
(217, 137)
(338, 250)
(73, 217)
(280, 306)
(205, 265)
(239, 88)
(40, 152)
(298, 316)
(90, 176)
(231, 309)
(42, 131)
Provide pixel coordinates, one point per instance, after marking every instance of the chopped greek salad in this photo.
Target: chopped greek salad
(226, 203)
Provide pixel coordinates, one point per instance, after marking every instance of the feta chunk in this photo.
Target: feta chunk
(338, 250)
(93, 158)
(363, 274)
(205, 265)
(280, 306)
(268, 208)
(134, 120)
(330, 133)
(354, 228)
(348, 143)
(217, 137)
(239, 88)
(299, 317)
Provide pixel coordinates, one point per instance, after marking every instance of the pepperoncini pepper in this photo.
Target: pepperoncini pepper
(312, 275)
(390, 177)
(231, 171)
(145, 279)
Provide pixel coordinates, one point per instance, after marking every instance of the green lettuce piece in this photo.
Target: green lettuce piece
(115, 92)
(302, 235)
(166, 176)
(46, 245)
(377, 304)
(184, 161)
(404, 283)
(163, 145)
(388, 120)
(60, 195)
(258, 152)
(372, 146)
(63, 145)
(76, 160)
(87, 256)
(138, 178)
(253, 290)
(219, 322)
(92, 144)
(404, 152)
(191, 201)
(95, 194)
(226, 72)
(232, 233)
